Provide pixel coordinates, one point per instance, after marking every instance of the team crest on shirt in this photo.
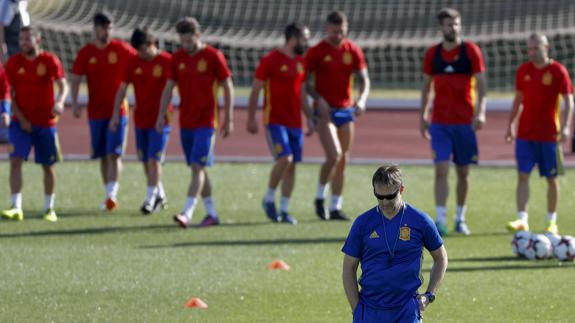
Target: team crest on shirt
(202, 65)
(299, 67)
(284, 68)
(374, 235)
(112, 57)
(21, 70)
(404, 233)
(41, 69)
(527, 78)
(547, 79)
(93, 60)
(347, 59)
(327, 58)
(138, 71)
(182, 66)
(157, 71)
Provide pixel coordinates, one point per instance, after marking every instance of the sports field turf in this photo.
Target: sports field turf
(124, 267)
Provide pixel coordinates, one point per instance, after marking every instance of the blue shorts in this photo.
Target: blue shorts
(105, 142)
(409, 313)
(284, 141)
(43, 139)
(547, 155)
(342, 116)
(152, 144)
(456, 142)
(198, 145)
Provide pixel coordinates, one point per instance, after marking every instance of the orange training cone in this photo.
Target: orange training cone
(278, 264)
(195, 302)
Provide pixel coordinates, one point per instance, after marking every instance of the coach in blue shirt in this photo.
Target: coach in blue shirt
(388, 241)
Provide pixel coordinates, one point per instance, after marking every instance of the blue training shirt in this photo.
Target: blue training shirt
(386, 285)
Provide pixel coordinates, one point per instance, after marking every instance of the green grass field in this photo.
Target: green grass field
(124, 267)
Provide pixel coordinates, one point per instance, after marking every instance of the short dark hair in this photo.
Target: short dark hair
(336, 18)
(445, 13)
(188, 25)
(388, 174)
(142, 36)
(30, 29)
(102, 19)
(295, 29)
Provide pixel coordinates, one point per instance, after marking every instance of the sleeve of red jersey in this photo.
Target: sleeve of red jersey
(358, 58)
(428, 61)
(476, 57)
(519, 78)
(310, 61)
(4, 86)
(79, 66)
(262, 71)
(222, 71)
(566, 86)
(55, 68)
(129, 71)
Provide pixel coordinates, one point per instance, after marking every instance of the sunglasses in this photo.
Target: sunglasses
(390, 197)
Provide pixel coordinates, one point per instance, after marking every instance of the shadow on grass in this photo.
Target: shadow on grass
(87, 231)
(244, 243)
(480, 234)
(528, 265)
(487, 259)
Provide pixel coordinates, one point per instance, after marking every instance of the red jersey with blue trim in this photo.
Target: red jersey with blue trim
(198, 78)
(542, 90)
(104, 69)
(283, 77)
(333, 69)
(453, 81)
(149, 79)
(33, 84)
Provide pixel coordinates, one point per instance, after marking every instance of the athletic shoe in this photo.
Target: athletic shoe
(552, 227)
(442, 229)
(320, 210)
(338, 215)
(461, 227)
(517, 225)
(182, 220)
(50, 215)
(161, 203)
(111, 204)
(13, 214)
(147, 208)
(209, 221)
(287, 218)
(270, 210)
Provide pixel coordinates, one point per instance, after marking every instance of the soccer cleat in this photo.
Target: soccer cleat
(13, 214)
(287, 218)
(338, 215)
(517, 225)
(50, 215)
(461, 227)
(270, 210)
(552, 227)
(161, 203)
(182, 220)
(442, 229)
(111, 204)
(147, 208)
(320, 210)
(209, 221)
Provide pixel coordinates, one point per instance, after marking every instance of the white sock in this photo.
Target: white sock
(552, 216)
(161, 192)
(284, 204)
(460, 213)
(49, 201)
(151, 194)
(522, 215)
(189, 207)
(336, 202)
(270, 195)
(320, 193)
(112, 189)
(210, 207)
(17, 201)
(441, 214)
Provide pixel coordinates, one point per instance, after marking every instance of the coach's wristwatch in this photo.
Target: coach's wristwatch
(430, 297)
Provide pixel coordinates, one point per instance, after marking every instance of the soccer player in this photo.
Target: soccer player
(457, 72)
(388, 241)
(32, 74)
(148, 72)
(5, 111)
(198, 70)
(103, 62)
(540, 85)
(282, 74)
(331, 65)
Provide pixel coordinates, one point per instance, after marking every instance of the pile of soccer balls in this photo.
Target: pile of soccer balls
(543, 246)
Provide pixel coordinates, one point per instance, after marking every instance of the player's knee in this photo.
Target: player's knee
(285, 160)
(334, 158)
(16, 163)
(523, 177)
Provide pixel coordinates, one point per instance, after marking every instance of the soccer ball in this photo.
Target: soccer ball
(520, 241)
(554, 238)
(565, 249)
(539, 247)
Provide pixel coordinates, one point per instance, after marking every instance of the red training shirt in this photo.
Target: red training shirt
(4, 85)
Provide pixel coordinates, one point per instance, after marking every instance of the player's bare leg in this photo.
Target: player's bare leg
(49, 188)
(276, 174)
(462, 188)
(15, 211)
(196, 186)
(345, 136)
(441, 190)
(522, 198)
(288, 183)
(333, 153)
(552, 200)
